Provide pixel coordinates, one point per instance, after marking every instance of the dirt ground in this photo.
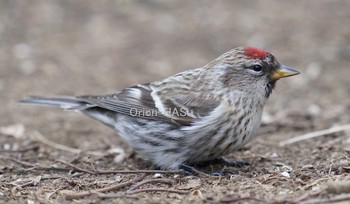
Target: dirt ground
(98, 47)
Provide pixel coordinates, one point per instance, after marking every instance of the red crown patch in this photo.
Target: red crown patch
(253, 52)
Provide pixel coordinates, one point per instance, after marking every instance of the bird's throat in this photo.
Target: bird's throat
(269, 87)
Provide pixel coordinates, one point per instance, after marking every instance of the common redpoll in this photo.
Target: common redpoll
(192, 117)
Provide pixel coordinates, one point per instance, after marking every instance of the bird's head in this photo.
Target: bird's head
(249, 68)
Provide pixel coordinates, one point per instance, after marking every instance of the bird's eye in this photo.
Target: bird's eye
(257, 68)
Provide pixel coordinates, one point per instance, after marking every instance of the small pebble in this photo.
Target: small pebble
(6, 146)
(158, 175)
(314, 110)
(285, 174)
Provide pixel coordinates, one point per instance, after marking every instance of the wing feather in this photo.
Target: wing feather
(149, 102)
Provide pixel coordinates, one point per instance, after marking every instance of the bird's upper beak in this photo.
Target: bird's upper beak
(283, 71)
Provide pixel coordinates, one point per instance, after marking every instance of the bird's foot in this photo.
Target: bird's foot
(189, 170)
(224, 161)
(192, 171)
(233, 163)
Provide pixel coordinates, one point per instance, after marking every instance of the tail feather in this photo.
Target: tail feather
(72, 103)
(65, 102)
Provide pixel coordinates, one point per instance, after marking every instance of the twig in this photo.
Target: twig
(37, 167)
(23, 163)
(79, 169)
(315, 134)
(32, 182)
(167, 181)
(71, 195)
(277, 178)
(76, 167)
(33, 147)
(141, 171)
(159, 189)
(315, 182)
(335, 199)
(119, 171)
(307, 196)
(44, 140)
(115, 195)
(235, 200)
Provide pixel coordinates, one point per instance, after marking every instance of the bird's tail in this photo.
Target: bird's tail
(65, 102)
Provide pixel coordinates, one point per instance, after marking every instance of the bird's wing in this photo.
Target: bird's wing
(175, 106)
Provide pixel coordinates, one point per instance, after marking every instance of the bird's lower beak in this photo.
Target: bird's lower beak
(282, 72)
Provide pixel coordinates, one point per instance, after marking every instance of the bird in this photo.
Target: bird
(195, 116)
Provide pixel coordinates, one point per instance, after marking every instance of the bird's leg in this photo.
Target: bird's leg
(155, 167)
(192, 171)
(189, 170)
(223, 160)
(232, 163)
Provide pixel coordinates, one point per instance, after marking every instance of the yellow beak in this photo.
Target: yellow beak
(282, 72)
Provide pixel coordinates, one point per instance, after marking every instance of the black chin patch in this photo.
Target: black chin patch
(269, 87)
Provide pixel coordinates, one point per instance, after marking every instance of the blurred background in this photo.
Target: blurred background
(98, 47)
